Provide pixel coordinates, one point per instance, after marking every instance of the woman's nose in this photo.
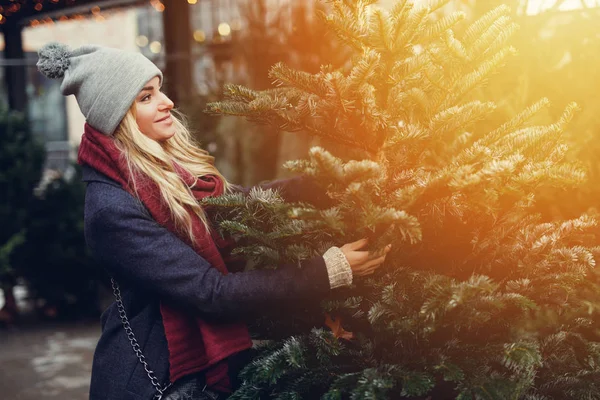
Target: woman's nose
(167, 102)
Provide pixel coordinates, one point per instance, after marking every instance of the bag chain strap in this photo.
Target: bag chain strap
(134, 344)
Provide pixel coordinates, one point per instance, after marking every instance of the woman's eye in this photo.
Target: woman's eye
(146, 97)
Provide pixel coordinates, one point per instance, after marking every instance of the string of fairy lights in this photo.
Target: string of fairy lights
(223, 30)
(16, 5)
(220, 32)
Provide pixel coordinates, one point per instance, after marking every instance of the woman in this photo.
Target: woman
(174, 331)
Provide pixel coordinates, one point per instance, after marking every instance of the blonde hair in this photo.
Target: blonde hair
(155, 160)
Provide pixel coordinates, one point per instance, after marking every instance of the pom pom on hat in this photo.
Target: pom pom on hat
(54, 60)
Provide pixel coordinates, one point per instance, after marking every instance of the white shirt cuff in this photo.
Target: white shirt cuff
(338, 268)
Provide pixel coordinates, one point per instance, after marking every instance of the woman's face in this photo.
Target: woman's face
(153, 112)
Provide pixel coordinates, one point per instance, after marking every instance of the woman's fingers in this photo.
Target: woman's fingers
(360, 257)
(369, 267)
(352, 253)
(359, 244)
(365, 272)
(364, 262)
(375, 262)
(381, 252)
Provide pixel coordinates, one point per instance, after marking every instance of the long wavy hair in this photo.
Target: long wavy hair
(155, 160)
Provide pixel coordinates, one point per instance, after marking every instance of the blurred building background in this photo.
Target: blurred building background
(213, 27)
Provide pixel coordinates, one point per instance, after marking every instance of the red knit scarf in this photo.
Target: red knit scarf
(194, 344)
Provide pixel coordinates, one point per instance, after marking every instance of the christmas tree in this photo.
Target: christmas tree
(21, 160)
(480, 297)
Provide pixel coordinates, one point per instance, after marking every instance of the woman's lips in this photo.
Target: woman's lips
(168, 120)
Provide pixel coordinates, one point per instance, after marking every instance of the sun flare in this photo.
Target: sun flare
(537, 6)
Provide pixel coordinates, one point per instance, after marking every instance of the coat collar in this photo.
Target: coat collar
(89, 174)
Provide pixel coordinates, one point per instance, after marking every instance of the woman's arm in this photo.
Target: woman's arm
(133, 246)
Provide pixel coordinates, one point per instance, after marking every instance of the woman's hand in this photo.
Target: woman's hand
(363, 262)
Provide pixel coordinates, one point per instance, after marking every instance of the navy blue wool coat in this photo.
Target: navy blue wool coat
(151, 264)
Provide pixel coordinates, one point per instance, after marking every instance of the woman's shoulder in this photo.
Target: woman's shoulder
(104, 194)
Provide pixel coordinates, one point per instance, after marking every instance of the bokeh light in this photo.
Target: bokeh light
(141, 41)
(155, 47)
(224, 29)
(199, 36)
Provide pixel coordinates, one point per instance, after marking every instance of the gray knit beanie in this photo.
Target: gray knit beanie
(105, 81)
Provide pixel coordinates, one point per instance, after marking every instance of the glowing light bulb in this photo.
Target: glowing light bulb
(141, 41)
(199, 36)
(224, 29)
(155, 47)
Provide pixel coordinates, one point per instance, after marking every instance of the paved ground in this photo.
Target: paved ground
(47, 361)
